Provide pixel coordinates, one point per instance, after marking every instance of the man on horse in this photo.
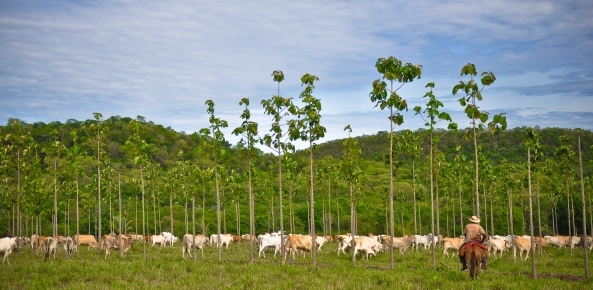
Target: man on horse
(470, 232)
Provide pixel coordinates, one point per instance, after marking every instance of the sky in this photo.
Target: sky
(162, 60)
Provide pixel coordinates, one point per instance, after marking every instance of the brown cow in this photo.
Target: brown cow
(40, 240)
(238, 239)
(400, 243)
(451, 243)
(248, 237)
(522, 245)
(85, 240)
(540, 243)
(109, 242)
(303, 243)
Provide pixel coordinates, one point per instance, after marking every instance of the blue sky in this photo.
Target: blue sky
(63, 60)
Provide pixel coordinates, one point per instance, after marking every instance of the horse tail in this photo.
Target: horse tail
(473, 263)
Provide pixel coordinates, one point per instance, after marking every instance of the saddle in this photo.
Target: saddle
(475, 241)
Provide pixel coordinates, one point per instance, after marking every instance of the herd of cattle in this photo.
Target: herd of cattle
(294, 244)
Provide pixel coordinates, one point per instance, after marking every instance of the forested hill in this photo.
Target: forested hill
(44, 164)
(508, 144)
(165, 142)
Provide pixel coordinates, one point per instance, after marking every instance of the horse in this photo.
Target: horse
(473, 258)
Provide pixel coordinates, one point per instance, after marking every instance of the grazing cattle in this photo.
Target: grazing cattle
(190, 242)
(68, 246)
(369, 245)
(50, 246)
(400, 243)
(85, 240)
(34, 241)
(238, 239)
(248, 237)
(269, 241)
(426, 241)
(60, 239)
(540, 243)
(154, 239)
(522, 245)
(109, 242)
(168, 238)
(6, 245)
(329, 238)
(40, 240)
(303, 243)
(589, 242)
(319, 241)
(575, 241)
(136, 238)
(498, 246)
(225, 240)
(556, 241)
(343, 242)
(451, 243)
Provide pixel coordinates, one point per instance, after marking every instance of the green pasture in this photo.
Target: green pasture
(165, 269)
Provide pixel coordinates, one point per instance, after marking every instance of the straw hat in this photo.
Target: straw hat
(474, 219)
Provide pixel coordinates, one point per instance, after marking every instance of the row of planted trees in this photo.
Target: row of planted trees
(86, 174)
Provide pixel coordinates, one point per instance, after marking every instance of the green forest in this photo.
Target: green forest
(45, 167)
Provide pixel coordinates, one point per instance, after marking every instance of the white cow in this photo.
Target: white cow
(369, 245)
(189, 242)
(154, 239)
(269, 241)
(498, 246)
(6, 245)
(225, 240)
(319, 241)
(50, 246)
(555, 241)
(426, 241)
(68, 246)
(168, 238)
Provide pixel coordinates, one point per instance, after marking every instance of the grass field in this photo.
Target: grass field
(165, 269)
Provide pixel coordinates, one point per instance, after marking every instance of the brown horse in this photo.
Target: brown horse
(473, 258)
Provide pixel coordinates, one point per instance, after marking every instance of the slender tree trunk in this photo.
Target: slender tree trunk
(55, 221)
(460, 205)
(539, 214)
(338, 213)
(533, 270)
(414, 191)
(491, 216)
(391, 218)
(432, 201)
(204, 210)
(186, 217)
(329, 203)
(143, 212)
(121, 250)
(352, 222)
(251, 214)
(312, 203)
(570, 233)
(584, 235)
(511, 224)
(193, 222)
(171, 209)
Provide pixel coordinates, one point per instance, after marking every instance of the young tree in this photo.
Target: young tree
(351, 171)
(478, 117)
(309, 129)
(432, 118)
(579, 132)
(138, 149)
(217, 138)
(278, 107)
(248, 131)
(532, 143)
(566, 155)
(392, 70)
(413, 146)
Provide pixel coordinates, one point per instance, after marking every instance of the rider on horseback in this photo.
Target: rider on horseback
(469, 232)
